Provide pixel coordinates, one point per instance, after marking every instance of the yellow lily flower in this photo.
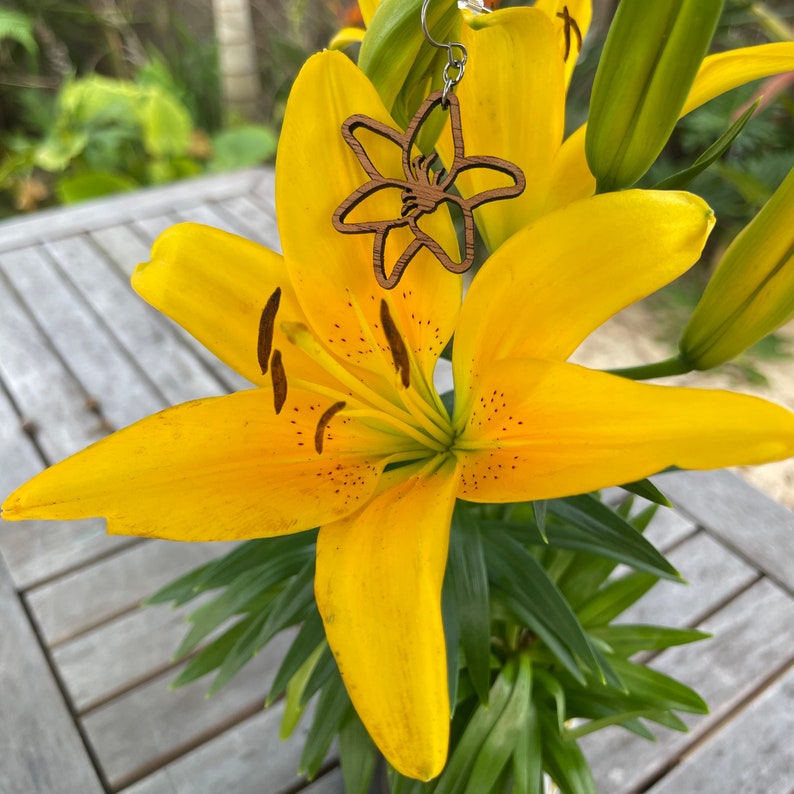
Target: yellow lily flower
(345, 430)
(512, 103)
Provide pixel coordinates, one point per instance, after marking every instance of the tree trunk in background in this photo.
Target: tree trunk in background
(237, 61)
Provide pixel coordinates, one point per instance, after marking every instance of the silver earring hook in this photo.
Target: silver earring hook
(457, 56)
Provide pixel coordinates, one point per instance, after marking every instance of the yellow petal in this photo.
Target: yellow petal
(368, 9)
(223, 468)
(726, 70)
(378, 589)
(571, 179)
(541, 430)
(512, 105)
(332, 273)
(580, 12)
(345, 37)
(554, 282)
(215, 285)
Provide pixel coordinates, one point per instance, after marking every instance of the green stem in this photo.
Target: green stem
(676, 365)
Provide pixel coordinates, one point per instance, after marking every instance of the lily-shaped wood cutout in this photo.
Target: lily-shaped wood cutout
(422, 189)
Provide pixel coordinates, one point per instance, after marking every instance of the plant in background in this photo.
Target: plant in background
(449, 576)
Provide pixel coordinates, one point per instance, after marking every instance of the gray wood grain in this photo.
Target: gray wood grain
(61, 222)
(752, 754)
(125, 248)
(139, 731)
(741, 516)
(247, 759)
(83, 341)
(86, 598)
(713, 576)
(753, 637)
(139, 329)
(252, 219)
(40, 748)
(145, 639)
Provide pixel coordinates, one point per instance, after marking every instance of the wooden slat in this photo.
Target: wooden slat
(45, 392)
(62, 222)
(145, 639)
(173, 369)
(125, 248)
(84, 599)
(141, 730)
(247, 759)
(753, 637)
(150, 228)
(752, 754)
(714, 575)
(40, 748)
(252, 220)
(85, 344)
(332, 783)
(734, 511)
(667, 527)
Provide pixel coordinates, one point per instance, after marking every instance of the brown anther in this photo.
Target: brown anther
(319, 433)
(279, 379)
(267, 323)
(399, 352)
(570, 24)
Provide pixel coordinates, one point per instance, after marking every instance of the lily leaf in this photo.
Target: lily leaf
(646, 489)
(682, 179)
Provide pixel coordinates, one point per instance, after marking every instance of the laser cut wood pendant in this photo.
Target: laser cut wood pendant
(422, 189)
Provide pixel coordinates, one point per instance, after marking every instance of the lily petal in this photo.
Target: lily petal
(580, 13)
(333, 273)
(223, 468)
(726, 70)
(540, 430)
(215, 285)
(378, 589)
(514, 81)
(570, 271)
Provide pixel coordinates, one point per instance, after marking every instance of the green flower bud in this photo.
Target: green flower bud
(398, 59)
(752, 290)
(650, 59)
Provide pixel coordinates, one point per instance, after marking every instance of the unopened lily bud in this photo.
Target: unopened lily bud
(650, 59)
(752, 290)
(397, 58)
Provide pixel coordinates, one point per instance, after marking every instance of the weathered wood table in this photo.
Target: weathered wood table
(84, 672)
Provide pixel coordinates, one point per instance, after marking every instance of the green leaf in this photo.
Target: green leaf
(358, 756)
(615, 598)
(539, 510)
(323, 670)
(658, 688)
(527, 755)
(310, 635)
(456, 773)
(242, 147)
(245, 587)
(526, 588)
(181, 590)
(626, 639)
(682, 179)
(295, 704)
(165, 122)
(647, 490)
(467, 577)
(564, 761)
(18, 27)
(213, 656)
(333, 707)
(92, 184)
(593, 527)
(498, 747)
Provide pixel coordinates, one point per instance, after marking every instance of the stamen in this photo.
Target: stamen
(569, 24)
(279, 379)
(267, 322)
(399, 352)
(323, 423)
